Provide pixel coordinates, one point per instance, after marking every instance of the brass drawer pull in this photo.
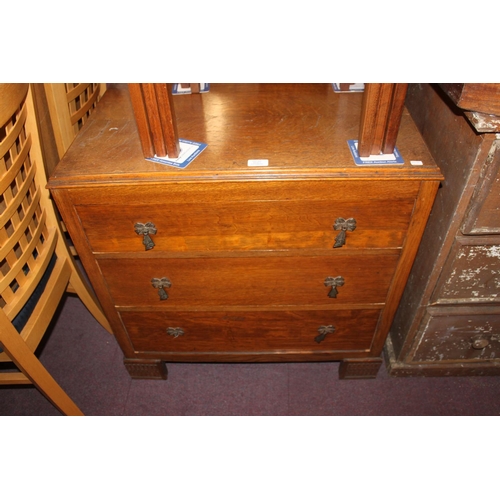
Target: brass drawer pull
(343, 225)
(480, 343)
(175, 332)
(146, 230)
(160, 284)
(334, 283)
(323, 332)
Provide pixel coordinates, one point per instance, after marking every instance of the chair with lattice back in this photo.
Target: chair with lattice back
(70, 104)
(35, 264)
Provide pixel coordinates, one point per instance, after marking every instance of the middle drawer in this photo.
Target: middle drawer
(257, 281)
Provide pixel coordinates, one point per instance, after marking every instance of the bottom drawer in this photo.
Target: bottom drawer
(460, 334)
(251, 331)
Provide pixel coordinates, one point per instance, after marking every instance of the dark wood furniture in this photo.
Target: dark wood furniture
(304, 259)
(448, 322)
(155, 119)
(380, 117)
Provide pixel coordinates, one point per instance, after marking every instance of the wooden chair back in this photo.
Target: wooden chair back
(70, 104)
(35, 264)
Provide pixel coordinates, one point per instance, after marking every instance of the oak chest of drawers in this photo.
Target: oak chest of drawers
(301, 260)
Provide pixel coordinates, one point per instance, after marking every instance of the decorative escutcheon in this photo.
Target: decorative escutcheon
(175, 332)
(334, 283)
(323, 332)
(145, 230)
(343, 225)
(160, 284)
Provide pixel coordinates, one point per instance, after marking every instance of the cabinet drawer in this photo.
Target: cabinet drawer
(459, 334)
(260, 281)
(301, 219)
(472, 272)
(250, 331)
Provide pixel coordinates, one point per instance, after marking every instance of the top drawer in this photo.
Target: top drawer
(483, 216)
(246, 216)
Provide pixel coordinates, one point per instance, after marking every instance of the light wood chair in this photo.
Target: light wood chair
(36, 267)
(70, 104)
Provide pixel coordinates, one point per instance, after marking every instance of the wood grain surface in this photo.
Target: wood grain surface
(247, 249)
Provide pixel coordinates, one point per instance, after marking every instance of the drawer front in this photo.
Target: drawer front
(251, 331)
(259, 281)
(304, 218)
(472, 273)
(483, 216)
(245, 226)
(455, 336)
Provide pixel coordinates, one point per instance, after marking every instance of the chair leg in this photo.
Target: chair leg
(87, 296)
(30, 365)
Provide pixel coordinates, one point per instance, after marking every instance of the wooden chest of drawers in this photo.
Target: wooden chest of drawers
(226, 262)
(448, 322)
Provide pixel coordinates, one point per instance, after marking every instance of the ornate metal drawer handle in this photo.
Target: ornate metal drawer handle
(145, 230)
(334, 283)
(323, 332)
(161, 284)
(175, 332)
(343, 225)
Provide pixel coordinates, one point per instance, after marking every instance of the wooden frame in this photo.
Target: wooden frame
(383, 105)
(155, 118)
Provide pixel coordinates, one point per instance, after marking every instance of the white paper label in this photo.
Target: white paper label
(258, 163)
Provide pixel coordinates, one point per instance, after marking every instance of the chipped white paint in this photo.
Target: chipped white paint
(487, 328)
(472, 252)
(483, 122)
(493, 251)
(453, 340)
(479, 282)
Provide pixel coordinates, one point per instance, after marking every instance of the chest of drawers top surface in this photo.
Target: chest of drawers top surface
(301, 129)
